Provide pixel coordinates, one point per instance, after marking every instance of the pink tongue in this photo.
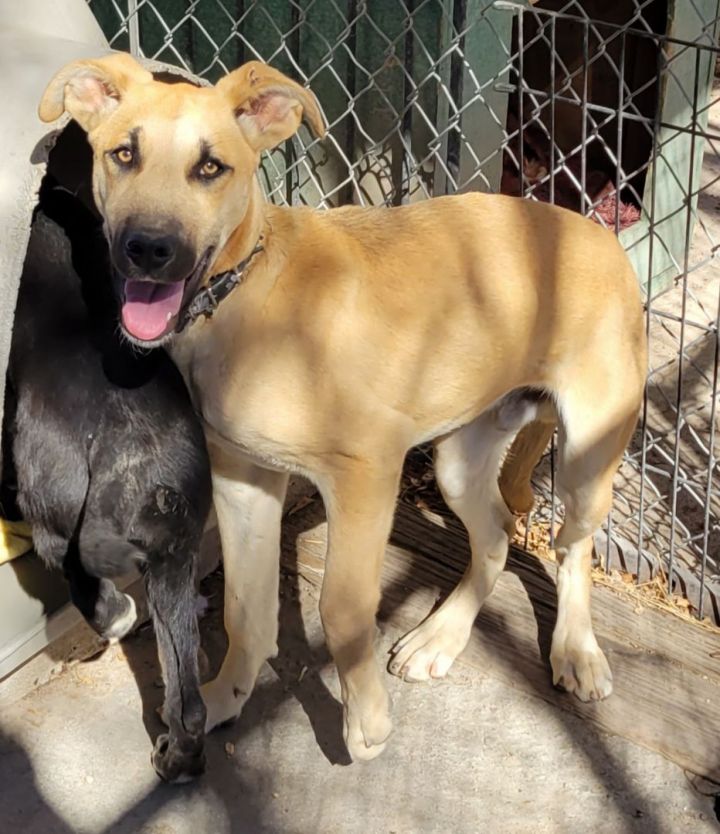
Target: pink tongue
(149, 307)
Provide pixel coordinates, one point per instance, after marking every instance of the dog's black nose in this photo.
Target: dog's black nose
(152, 248)
(149, 253)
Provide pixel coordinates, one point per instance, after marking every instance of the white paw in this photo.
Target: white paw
(428, 651)
(580, 667)
(122, 625)
(366, 736)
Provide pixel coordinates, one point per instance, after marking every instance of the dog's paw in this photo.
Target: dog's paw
(428, 651)
(123, 622)
(581, 669)
(175, 765)
(366, 731)
(223, 702)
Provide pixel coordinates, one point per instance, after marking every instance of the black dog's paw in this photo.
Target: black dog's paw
(175, 765)
(120, 618)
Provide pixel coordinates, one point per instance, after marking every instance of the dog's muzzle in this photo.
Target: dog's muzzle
(150, 309)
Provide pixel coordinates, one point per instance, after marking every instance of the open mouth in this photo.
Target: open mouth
(150, 310)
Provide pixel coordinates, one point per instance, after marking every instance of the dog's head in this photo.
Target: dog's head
(174, 172)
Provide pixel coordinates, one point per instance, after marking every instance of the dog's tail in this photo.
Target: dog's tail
(520, 461)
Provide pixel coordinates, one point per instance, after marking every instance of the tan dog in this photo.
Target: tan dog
(355, 335)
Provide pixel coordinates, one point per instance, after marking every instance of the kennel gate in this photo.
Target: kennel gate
(604, 107)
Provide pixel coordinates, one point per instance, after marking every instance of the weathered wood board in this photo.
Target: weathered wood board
(666, 670)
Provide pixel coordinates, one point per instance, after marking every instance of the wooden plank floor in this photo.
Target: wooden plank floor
(666, 670)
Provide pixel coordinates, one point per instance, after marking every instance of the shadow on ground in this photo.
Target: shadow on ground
(238, 793)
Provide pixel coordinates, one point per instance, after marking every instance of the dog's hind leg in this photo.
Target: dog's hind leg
(591, 443)
(110, 613)
(107, 611)
(249, 510)
(170, 582)
(466, 467)
(360, 506)
(157, 528)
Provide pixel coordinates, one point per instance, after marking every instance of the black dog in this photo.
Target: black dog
(108, 459)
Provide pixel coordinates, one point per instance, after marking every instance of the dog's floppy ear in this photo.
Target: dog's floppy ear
(268, 105)
(90, 90)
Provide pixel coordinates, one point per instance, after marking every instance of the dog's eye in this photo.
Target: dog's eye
(210, 169)
(123, 155)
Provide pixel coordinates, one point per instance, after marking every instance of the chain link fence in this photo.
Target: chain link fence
(608, 108)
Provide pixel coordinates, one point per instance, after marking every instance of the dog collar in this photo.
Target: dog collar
(207, 300)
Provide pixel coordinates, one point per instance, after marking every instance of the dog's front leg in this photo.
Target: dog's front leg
(249, 503)
(360, 507)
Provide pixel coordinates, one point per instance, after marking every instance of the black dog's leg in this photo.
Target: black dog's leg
(110, 613)
(178, 755)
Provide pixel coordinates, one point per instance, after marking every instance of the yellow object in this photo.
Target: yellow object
(15, 539)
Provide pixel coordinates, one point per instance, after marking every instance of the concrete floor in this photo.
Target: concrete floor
(469, 754)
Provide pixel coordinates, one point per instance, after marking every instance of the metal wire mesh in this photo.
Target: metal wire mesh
(610, 109)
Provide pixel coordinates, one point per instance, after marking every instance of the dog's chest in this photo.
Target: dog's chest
(253, 404)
